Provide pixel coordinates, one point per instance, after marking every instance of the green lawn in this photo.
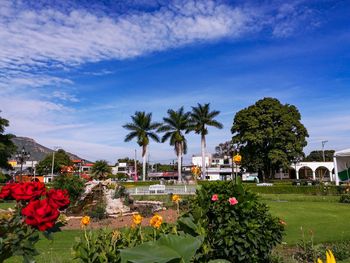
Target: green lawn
(327, 218)
(328, 221)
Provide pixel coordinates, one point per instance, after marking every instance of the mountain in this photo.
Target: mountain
(36, 150)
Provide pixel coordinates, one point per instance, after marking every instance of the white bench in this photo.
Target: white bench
(157, 188)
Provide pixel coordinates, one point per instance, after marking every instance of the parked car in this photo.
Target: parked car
(250, 177)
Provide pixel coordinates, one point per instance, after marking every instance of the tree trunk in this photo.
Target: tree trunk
(204, 170)
(179, 164)
(144, 155)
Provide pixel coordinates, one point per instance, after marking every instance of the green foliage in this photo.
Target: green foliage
(73, 184)
(176, 124)
(168, 248)
(101, 169)
(7, 147)
(4, 178)
(245, 232)
(290, 189)
(341, 250)
(317, 156)
(345, 199)
(17, 238)
(271, 135)
(120, 192)
(224, 149)
(98, 247)
(61, 159)
(98, 212)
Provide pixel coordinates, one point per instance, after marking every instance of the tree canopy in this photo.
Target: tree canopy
(224, 149)
(61, 159)
(270, 135)
(101, 169)
(7, 147)
(317, 156)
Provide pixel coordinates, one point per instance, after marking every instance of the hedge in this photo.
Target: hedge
(289, 189)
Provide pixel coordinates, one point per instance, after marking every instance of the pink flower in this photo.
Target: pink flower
(233, 201)
(215, 197)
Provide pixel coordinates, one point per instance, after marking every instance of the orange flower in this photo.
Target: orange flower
(156, 221)
(85, 221)
(176, 198)
(137, 219)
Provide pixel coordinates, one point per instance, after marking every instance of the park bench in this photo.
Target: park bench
(157, 189)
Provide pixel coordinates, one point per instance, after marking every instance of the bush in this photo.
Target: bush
(245, 232)
(73, 184)
(98, 212)
(120, 192)
(345, 199)
(340, 250)
(4, 178)
(290, 189)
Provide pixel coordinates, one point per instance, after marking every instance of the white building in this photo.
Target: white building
(197, 160)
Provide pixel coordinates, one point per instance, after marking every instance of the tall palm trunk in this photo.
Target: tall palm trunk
(144, 156)
(179, 164)
(204, 170)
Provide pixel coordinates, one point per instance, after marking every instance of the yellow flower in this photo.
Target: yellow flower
(116, 235)
(237, 158)
(85, 221)
(329, 258)
(156, 221)
(137, 219)
(176, 198)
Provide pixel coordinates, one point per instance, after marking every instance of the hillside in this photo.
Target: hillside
(36, 150)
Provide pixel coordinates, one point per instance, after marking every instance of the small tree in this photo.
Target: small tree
(7, 147)
(101, 169)
(317, 156)
(271, 135)
(61, 159)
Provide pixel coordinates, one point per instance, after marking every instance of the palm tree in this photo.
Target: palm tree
(175, 125)
(101, 169)
(201, 118)
(142, 128)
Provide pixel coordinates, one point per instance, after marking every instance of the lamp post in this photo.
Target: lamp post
(236, 159)
(53, 160)
(21, 157)
(323, 143)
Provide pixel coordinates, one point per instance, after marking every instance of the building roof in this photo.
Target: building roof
(342, 153)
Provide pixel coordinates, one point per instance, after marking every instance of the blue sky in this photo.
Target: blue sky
(71, 74)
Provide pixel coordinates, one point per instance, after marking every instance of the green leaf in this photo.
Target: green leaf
(219, 261)
(165, 249)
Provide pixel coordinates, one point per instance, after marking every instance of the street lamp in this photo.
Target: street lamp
(53, 159)
(21, 157)
(323, 143)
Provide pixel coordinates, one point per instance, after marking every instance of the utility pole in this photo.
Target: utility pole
(135, 171)
(323, 143)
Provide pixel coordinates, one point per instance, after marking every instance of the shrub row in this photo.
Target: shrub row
(289, 189)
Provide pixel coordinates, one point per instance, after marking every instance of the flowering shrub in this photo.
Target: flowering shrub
(36, 209)
(235, 225)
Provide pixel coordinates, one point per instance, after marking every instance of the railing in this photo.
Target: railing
(169, 189)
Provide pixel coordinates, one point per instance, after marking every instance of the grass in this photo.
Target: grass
(327, 219)
(6, 205)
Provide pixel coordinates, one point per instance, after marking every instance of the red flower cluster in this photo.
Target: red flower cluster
(39, 213)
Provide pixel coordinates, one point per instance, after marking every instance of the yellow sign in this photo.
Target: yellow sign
(12, 163)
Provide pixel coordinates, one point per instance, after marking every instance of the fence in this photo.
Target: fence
(169, 189)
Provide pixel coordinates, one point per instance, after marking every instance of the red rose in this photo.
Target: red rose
(28, 191)
(58, 198)
(40, 214)
(6, 191)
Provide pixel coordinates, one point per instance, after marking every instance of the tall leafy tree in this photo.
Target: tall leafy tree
(176, 124)
(7, 147)
(101, 169)
(224, 149)
(201, 118)
(142, 129)
(317, 156)
(61, 159)
(271, 135)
